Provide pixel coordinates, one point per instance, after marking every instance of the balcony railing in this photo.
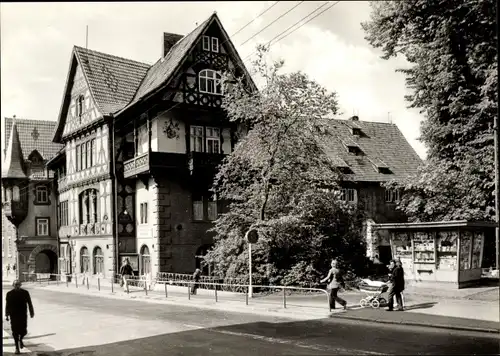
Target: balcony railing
(147, 162)
(136, 165)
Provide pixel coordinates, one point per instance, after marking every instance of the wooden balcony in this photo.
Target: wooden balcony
(148, 162)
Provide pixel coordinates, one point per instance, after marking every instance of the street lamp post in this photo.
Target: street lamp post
(496, 134)
(252, 236)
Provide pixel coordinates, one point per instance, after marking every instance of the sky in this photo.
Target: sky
(37, 40)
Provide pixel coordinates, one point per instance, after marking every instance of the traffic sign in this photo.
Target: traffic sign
(252, 236)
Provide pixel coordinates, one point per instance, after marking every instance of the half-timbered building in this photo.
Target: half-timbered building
(141, 144)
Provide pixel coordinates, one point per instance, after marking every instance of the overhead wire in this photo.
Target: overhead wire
(271, 43)
(279, 17)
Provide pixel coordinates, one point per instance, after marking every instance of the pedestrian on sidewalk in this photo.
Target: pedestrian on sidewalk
(196, 278)
(17, 301)
(8, 269)
(335, 281)
(400, 264)
(396, 285)
(126, 272)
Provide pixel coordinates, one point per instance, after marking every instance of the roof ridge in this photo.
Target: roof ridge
(370, 122)
(18, 119)
(111, 55)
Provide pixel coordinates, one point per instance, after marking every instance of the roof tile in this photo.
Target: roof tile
(382, 145)
(113, 80)
(34, 134)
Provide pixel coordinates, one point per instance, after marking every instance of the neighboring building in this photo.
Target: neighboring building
(370, 153)
(29, 235)
(146, 140)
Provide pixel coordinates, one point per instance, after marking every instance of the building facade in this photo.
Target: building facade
(141, 144)
(141, 147)
(29, 233)
(369, 154)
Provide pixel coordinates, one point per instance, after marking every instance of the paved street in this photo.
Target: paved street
(72, 324)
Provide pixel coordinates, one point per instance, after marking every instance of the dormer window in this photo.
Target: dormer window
(356, 131)
(354, 149)
(211, 44)
(210, 82)
(79, 105)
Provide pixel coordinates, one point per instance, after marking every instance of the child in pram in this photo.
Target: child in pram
(373, 291)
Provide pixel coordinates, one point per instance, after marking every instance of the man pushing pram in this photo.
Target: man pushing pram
(375, 289)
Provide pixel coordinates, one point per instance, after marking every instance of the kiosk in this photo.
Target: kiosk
(445, 252)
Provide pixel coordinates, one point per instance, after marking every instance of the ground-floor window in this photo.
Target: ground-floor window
(84, 260)
(98, 261)
(145, 260)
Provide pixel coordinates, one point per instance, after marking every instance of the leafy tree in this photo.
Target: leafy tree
(280, 180)
(452, 48)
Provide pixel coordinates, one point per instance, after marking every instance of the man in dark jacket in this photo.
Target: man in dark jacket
(126, 272)
(196, 278)
(17, 303)
(396, 279)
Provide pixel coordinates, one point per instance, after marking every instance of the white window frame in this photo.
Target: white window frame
(41, 225)
(215, 44)
(206, 40)
(40, 191)
(210, 76)
(196, 136)
(349, 195)
(212, 136)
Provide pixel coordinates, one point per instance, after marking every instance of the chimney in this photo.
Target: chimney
(169, 40)
(354, 118)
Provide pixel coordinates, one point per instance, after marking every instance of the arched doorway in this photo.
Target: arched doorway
(145, 261)
(206, 269)
(43, 259)
(46, 262)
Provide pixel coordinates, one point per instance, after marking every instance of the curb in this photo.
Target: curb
(412, 323)
(244, 309)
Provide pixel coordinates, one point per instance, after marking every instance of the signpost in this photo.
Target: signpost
(252, 236)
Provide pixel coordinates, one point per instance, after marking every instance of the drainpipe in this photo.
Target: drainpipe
(114, 183)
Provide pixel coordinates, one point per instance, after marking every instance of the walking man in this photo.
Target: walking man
(335, 281)
(196, 278)
(396, 278)
(17, 302)
(126, 272)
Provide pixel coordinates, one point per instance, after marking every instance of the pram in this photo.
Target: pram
(373, 291)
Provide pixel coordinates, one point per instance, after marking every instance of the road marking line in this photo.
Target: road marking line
(341, 351)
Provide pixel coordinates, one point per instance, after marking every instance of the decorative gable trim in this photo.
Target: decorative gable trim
(225, 39)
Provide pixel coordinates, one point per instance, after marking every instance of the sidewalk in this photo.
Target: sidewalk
(8, 346)
(463, 314)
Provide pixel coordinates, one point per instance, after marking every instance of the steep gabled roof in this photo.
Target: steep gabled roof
(163, 71)
(13, 165)
(385, 153)
(112, 81)
(33, 135)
